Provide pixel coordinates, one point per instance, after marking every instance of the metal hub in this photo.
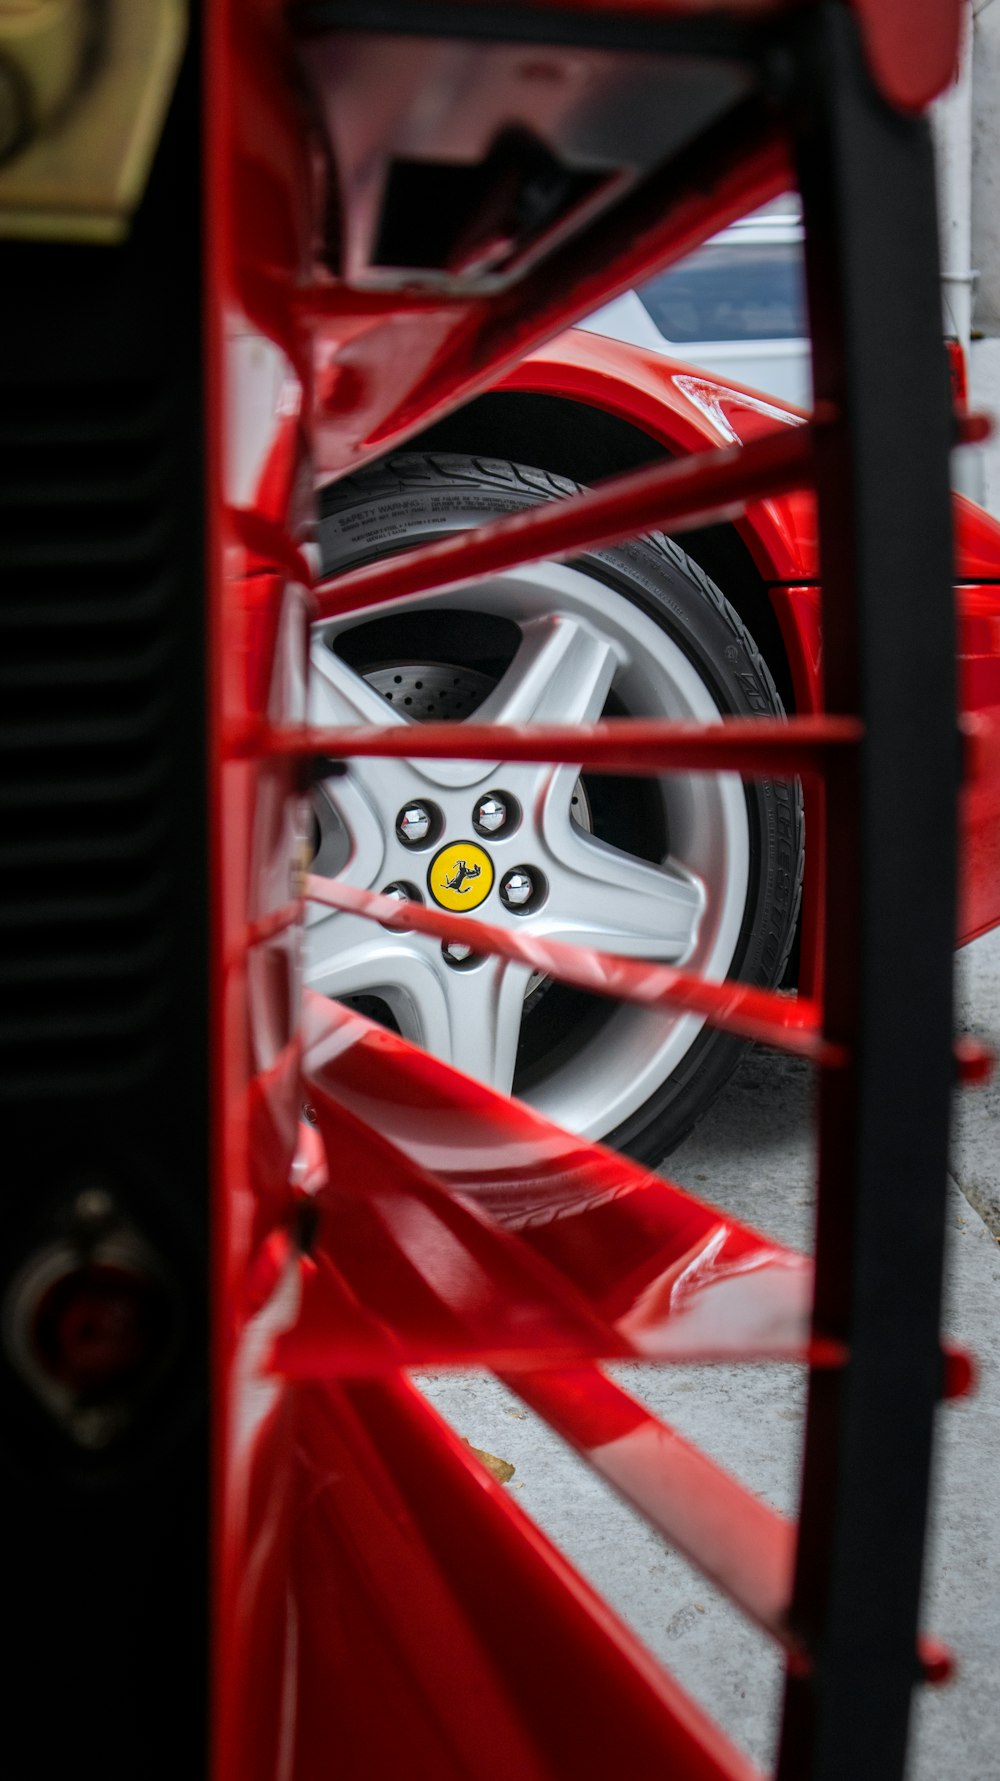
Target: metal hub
(460, 876)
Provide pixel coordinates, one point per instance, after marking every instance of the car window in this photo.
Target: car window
(731, 290)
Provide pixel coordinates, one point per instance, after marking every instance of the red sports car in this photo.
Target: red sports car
(700, 870)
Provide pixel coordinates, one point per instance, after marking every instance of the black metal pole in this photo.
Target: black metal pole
(885, 519)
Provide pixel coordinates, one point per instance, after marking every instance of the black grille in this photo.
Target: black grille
(104, 953)
(85, 644)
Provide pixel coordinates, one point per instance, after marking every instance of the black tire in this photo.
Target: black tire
(382, 509)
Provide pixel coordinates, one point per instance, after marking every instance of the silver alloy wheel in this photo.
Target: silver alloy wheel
(579, 638)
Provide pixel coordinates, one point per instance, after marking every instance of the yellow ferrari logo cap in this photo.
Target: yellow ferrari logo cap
(460, 875)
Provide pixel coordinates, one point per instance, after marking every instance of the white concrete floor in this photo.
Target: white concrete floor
(754, 1156)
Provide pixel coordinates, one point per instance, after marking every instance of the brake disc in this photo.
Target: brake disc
(435, 690)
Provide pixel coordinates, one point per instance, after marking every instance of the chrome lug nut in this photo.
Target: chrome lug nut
(517, 888)
(413, 824)
(456, 952)
(398, 892)
(491, 815)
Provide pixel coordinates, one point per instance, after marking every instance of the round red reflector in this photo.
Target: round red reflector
(100, 1327)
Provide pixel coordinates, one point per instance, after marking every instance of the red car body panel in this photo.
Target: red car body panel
(684, 410)
(340, 1510)
(302, 378)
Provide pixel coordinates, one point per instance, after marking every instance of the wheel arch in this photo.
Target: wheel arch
(586, 443)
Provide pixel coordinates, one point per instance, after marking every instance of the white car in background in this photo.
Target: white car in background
(735, 307)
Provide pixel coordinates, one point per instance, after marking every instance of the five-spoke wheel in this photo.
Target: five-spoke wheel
(699, 870)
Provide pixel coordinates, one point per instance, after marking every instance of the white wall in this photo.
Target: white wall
(966, 123)
(984, 352)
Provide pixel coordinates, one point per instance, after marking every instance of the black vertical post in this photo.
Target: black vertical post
(104, 983)
(885, 520)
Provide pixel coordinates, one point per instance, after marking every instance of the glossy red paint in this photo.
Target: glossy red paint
(806, 746)
(387, 372)
(262, 357)
(781, 529)
(980, 856)
(684, 411)
(911, 48)
(790, 1023)
(437, 1626)
(460, 1225)
(368, 1572)
(256, 229)
(740, 1544)
(269, 1711)
(977, 544)
(440, 1275)
(690, 492)
(758, 747)
(362, 412)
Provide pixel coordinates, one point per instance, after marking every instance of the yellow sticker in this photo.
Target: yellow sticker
(460, 876)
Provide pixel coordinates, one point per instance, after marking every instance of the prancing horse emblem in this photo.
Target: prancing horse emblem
(462, 872)
(460, 876)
